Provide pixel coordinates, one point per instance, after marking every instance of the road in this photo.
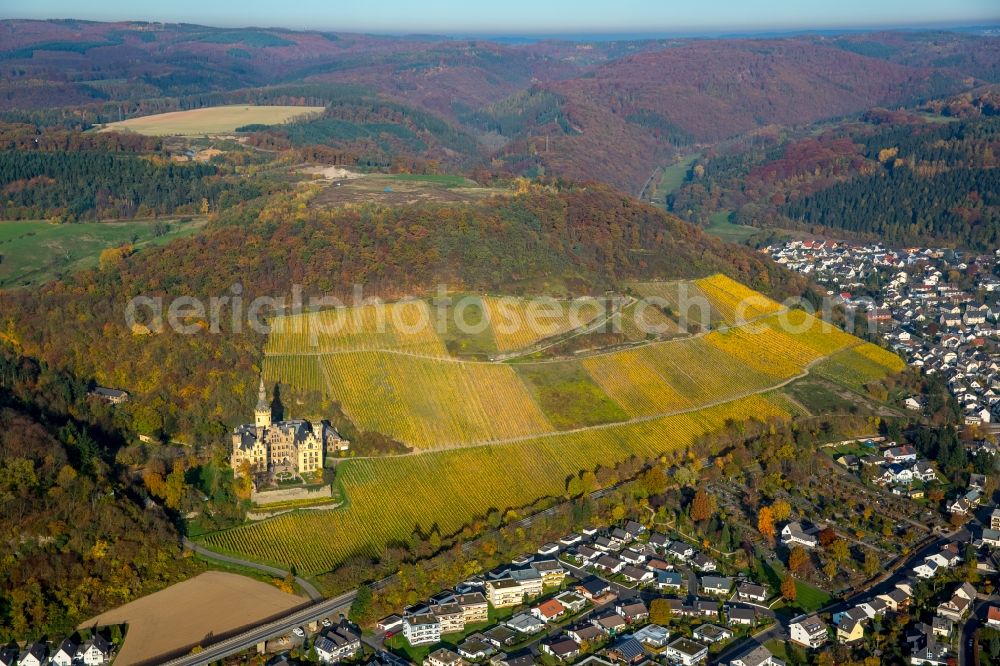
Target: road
(264, 632)
(313, 593)
(977, 619)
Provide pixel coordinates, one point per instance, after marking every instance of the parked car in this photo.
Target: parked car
(299, 631)
(326, 622)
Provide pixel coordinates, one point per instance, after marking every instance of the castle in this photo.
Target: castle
(296, 446)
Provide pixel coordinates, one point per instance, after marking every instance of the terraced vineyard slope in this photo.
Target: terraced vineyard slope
(492, 435)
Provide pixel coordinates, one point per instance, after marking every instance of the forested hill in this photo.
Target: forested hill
(580, 238)
(899, 177)
(612, 111)
(76, 537)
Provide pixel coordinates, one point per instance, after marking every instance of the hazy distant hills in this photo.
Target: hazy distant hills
(603, 110)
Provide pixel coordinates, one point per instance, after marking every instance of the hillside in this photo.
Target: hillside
(495, 438)
(564, 241)
(610, 111)
(899, 177)
(76, 535)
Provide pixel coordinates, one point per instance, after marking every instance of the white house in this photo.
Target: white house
(808, 631)
(685, 651)
(422, 629)
(756, 656)
(793, 534)
(65, 654)
(95, 652)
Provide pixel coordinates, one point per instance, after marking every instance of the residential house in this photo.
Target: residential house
(475, 608)
(669, 580)
(525, 623)
(451, 617)
(9, 655)
(896, 600)
(609, 564)
(850, 630)
(422, 629)
(704, 608)
(548, 549)
(873, 608)
(716, 585)
(686, 652)
(572, 601)
(444, 657)
(712, 633)
(524, 658)
(993, 617)
(551, 571)
(632, 556)
(680, 550)
(561, 648)
(653, 635)
(594, 588)
(635, 574)
(941, 627)
(751, 593)
(958, 606)
(900, 454)
(337, 644)
(628, 651)
(634, 529)
(475, 648)
(659, 541)
(585, 633)
(746, 617)
(810, 632)
(500, 636)
(64, 654)
(926, 569)
(757, 655)
(703, 562)
(548, 610)
(504, 592)
(609, 623)
(96, 651)
(35, 654)
(633, 611)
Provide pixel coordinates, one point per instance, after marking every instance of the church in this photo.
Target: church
(295, 447)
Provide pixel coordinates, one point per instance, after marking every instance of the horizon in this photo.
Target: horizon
(636, 19)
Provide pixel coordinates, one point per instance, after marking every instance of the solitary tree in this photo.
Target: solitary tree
(701, 506)
(781, 510)
(765, 522)
(788, 589)
(798, 559)
(660, 612)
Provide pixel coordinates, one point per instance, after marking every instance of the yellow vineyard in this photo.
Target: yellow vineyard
(390, 497)
(432, 403)
(518, 323)
(483, 431)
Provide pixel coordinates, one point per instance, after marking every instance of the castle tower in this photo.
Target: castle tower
(262, 412)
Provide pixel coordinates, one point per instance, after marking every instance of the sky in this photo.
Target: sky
(526, 17)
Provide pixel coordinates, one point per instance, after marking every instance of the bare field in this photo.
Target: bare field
(176, 619)
(210, 120)
(403, 189)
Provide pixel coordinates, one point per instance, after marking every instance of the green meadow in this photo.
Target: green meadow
(36, 251)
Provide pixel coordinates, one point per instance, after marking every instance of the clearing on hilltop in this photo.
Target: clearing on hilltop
(210, 120)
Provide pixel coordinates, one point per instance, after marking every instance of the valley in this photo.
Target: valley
(522, 350)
